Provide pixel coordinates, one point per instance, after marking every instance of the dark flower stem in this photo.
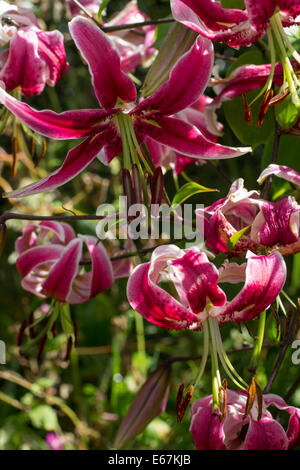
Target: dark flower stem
(282, 352)
(120, 27)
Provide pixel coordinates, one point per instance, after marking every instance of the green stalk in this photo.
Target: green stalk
(126, 153)
(140, 337)
(216, 382)
(258, 345)
(204, 353)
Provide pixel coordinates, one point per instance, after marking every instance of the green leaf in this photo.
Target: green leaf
(43, 417)
(66, 321)
(287, 113)
(235, 238)
(102, 6)
(234, 109)
(188, 190)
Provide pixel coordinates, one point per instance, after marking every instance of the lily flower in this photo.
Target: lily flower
(49, 257)
(196, 280)
(234, 26)
(121, 124)
(255, 223)
(243, 27)
(239, 430)
(34, 58)
(202, 303)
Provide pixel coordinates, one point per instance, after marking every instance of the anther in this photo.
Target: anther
(247, 111)
(264, 107)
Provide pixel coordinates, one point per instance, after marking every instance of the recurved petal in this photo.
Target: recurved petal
(281, 171)
(59, 281)
(109, 81)
(187, 81)
(67, 125)
(260, 12)
(24, 67)
(277, 222)
(185, 139)
(102, 272)
(155, 304)
(51, 49)
(26, 240)
(265, 434)
(293, 431)
(77, 160)
(214, 22)
(196, 280)
(36, 256)
(206, 428)
(265, 277)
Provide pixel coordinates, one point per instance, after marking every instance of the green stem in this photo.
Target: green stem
(204, 353)
(140, 337)
(258, 346)
(216, 381)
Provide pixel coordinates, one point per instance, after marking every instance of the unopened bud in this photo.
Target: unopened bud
(149, 402)
(169, 53)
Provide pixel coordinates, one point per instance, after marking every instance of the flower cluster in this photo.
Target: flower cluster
(168, 122)
(34, 58)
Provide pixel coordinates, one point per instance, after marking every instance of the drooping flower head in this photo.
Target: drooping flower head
(197, 280)
(201, 302)
(262, 224)
(49, 261)
(34, 58)
(121, 125)
(239, 430)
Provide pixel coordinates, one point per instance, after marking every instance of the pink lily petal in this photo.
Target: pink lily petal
(109, 81)
(186, 83)
(51, 50)
(265, 277)
(59, 281)
(77, 159)
(123, 267)
(260, 12)
(36, 256)
(196, 280)
(55, 227)
(265, 434)
(277, 223)
(27, 239)
(155, 304)
(185, 139)
(24, 67)
(293, 431)
(206, 428)
(210, 20)
(282, 172)
(102, 272)
(289, 7)
(67, 125)
(244, 79)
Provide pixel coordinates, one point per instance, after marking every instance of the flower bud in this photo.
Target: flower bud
(177, 42)
(149, 402)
